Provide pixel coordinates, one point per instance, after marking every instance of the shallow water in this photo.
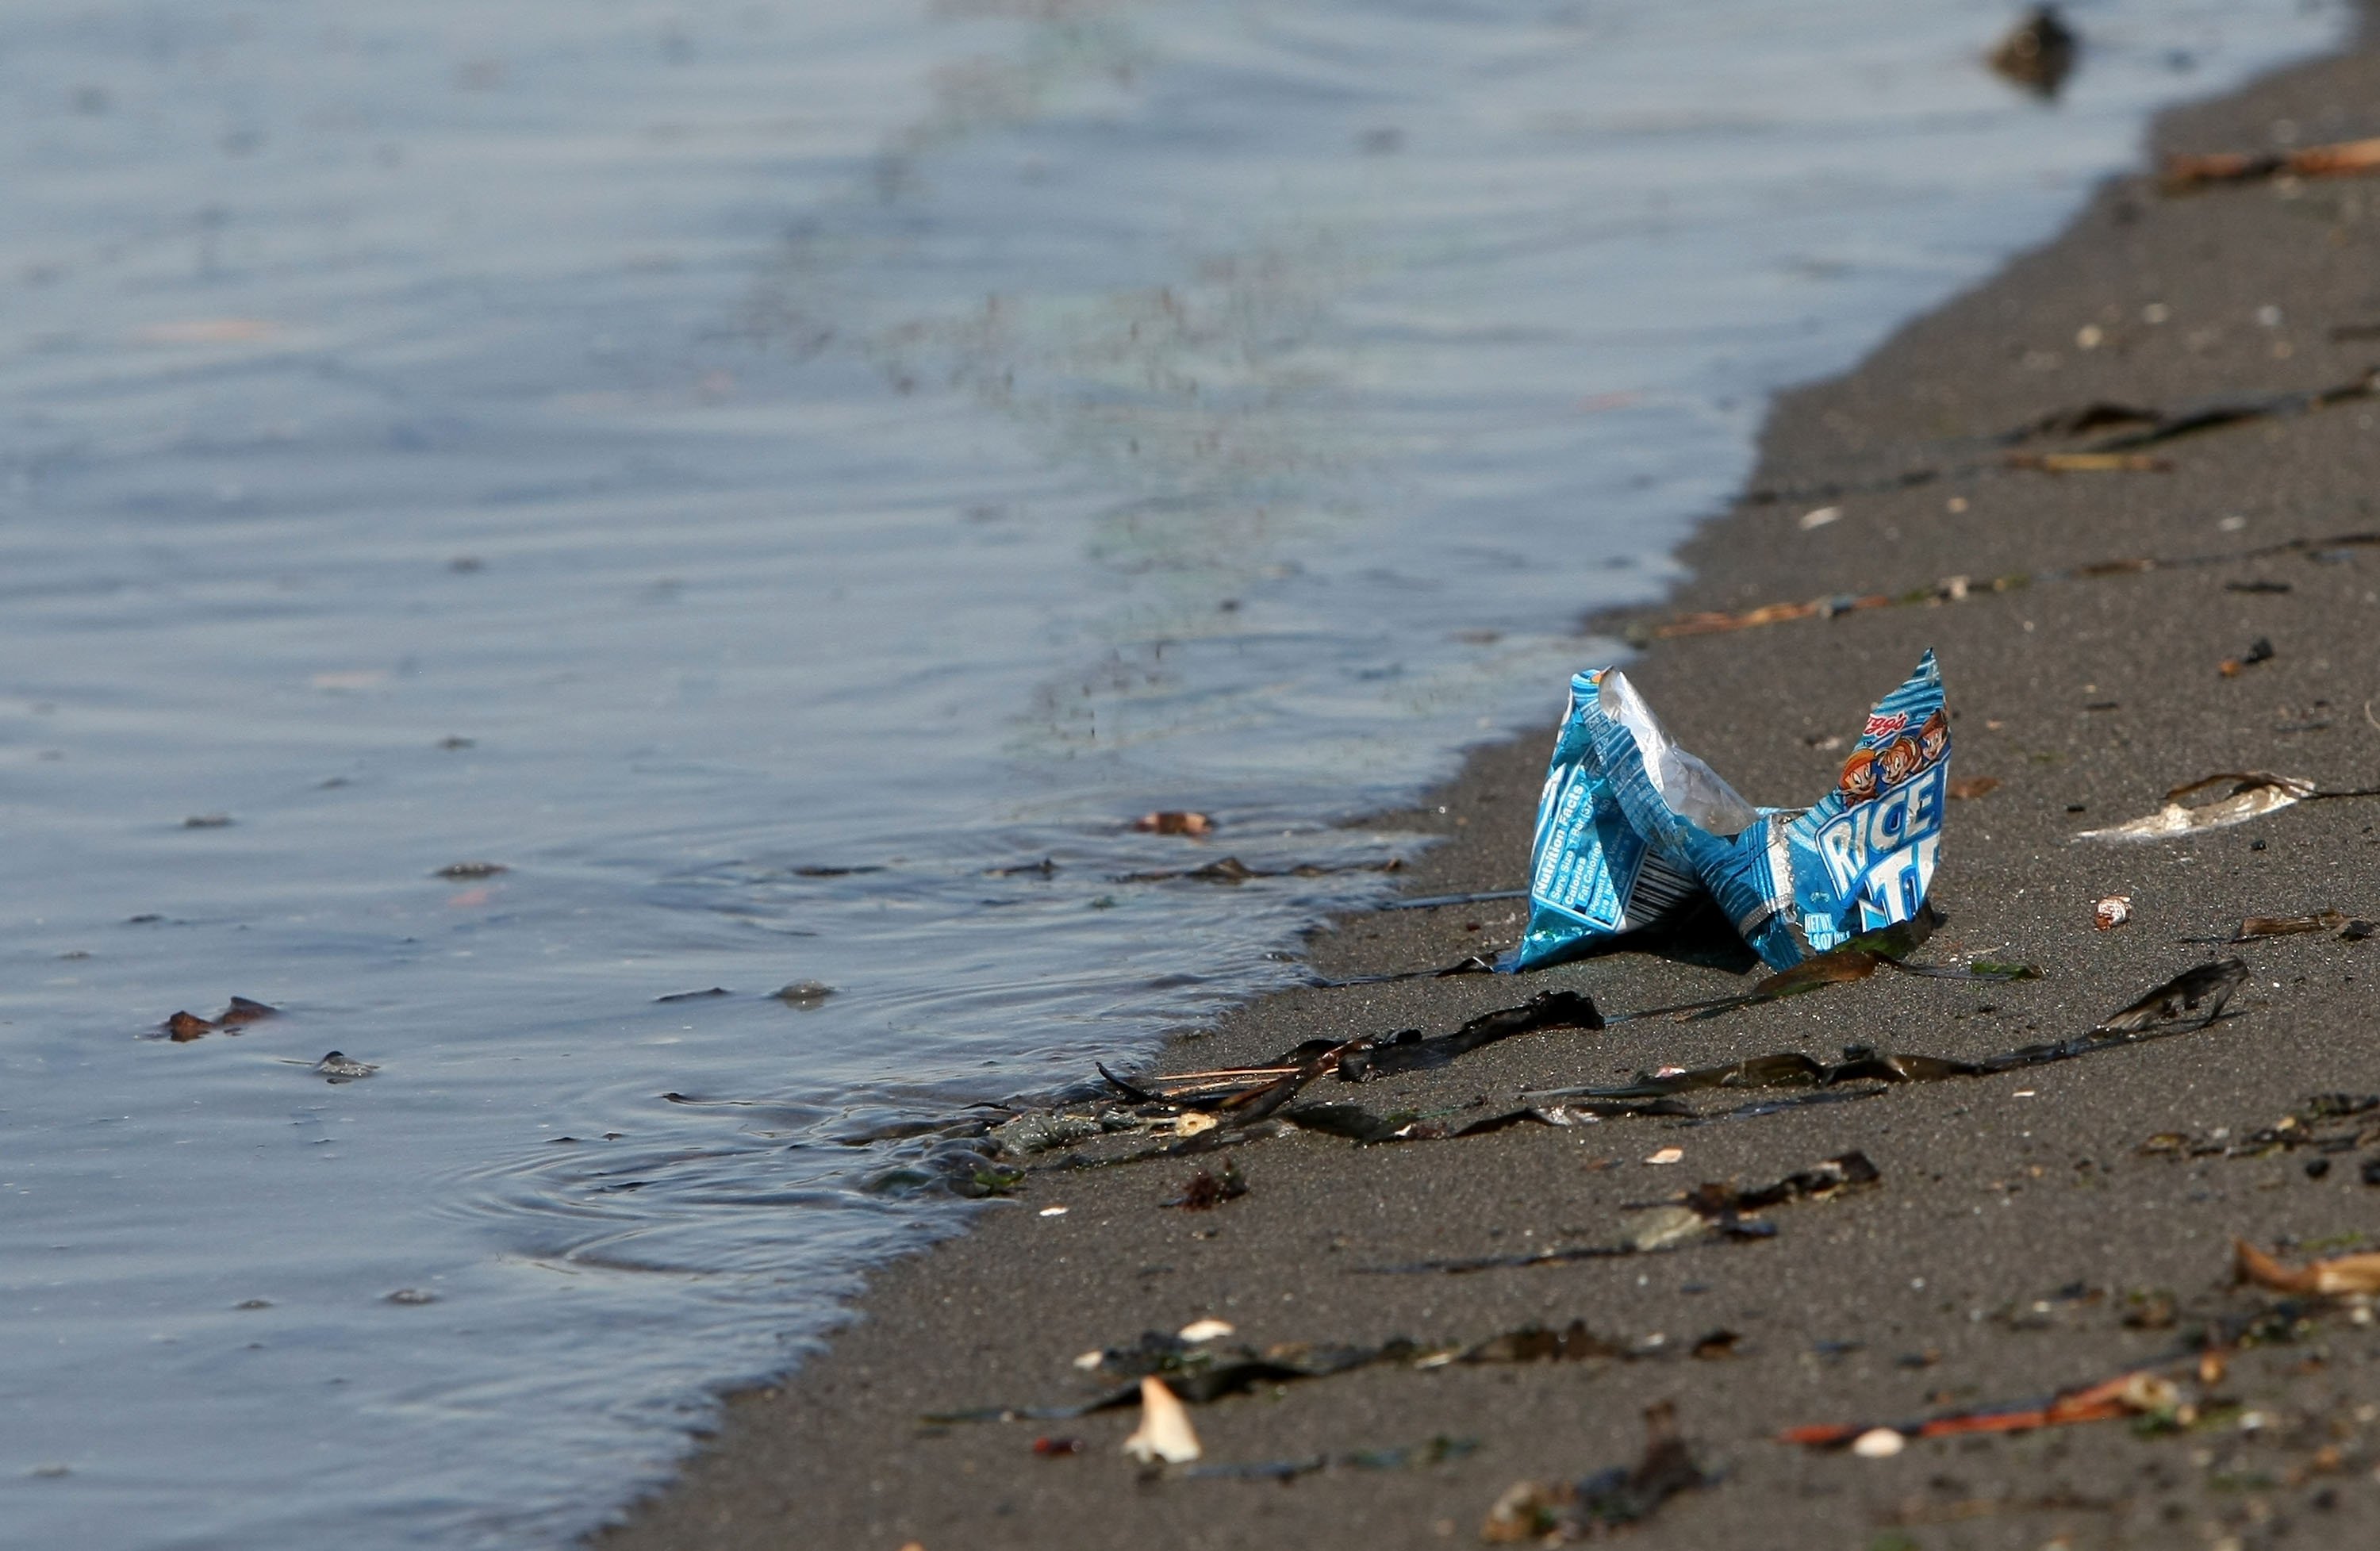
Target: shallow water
(684, 453)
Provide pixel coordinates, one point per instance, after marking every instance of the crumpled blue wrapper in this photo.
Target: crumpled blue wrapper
(1633, 832)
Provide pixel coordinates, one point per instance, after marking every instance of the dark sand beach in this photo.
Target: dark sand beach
(2031, 1232)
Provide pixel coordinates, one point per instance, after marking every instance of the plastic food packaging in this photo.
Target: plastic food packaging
(1633, 832)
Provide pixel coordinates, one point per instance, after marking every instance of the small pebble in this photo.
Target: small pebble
(1878, 1443)
(1668, 1155)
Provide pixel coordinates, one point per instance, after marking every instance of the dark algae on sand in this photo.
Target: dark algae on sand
(2006, 1231)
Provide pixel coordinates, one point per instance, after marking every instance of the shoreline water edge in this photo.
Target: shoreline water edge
(1936, 1254)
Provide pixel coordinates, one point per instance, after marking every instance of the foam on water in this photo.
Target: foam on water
(763, 473)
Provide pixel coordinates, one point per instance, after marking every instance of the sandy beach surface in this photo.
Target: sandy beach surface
(2029, 1232)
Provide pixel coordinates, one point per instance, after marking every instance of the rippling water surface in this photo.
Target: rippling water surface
(771, 476)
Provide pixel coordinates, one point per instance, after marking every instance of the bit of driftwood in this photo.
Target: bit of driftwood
(2340, 1277)
(2337, 159)
(2143, 1392)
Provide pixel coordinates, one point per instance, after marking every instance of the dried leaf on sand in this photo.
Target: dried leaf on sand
(2210, 984)
(1547, 1010)
(2343, 1274)
(2256, 926)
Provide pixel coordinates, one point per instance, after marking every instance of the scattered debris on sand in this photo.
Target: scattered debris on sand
(2338, 159)
(2334, 1278)
(1707, 1213)
(1204, 1191)
(1551, 1512)
(1962, 588)
(2131, 1394)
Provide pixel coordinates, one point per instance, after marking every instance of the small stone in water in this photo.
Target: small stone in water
(341, 1068)
(805, 993)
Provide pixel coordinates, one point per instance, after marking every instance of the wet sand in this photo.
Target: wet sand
(2020, 1218)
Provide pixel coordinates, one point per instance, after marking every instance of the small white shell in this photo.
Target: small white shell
(1164, 1433)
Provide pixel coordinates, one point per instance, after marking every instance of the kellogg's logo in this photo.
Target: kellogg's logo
(1879, 727)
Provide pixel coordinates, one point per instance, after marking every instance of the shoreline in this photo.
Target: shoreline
(1945, 1284)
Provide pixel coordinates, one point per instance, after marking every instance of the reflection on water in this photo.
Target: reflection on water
(789, 483)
